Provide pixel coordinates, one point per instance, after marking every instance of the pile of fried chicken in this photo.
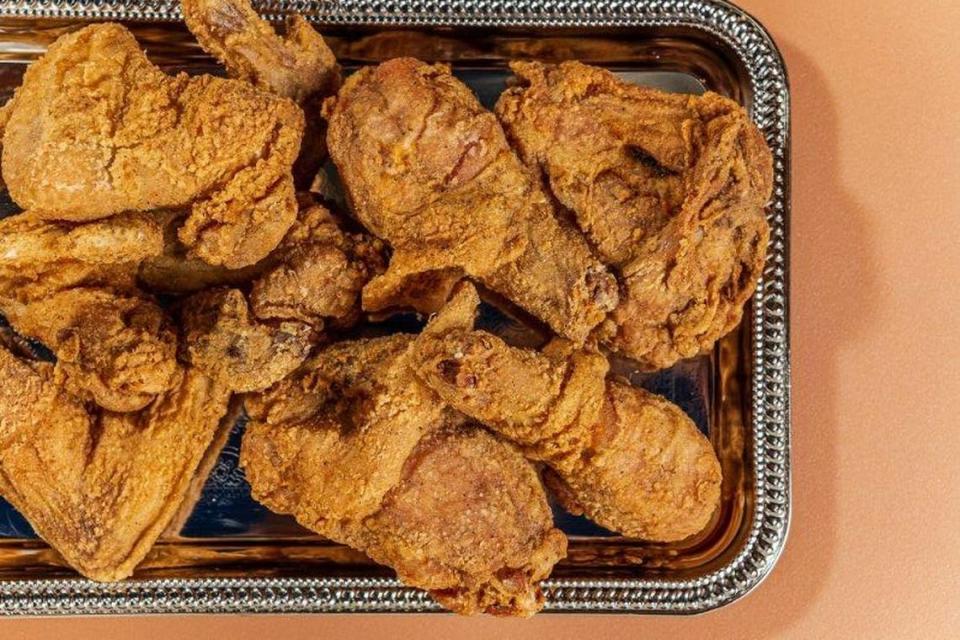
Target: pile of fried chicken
(173, 258)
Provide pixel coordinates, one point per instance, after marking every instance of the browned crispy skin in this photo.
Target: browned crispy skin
(298, 65)
(221, 338)
(360, 452)
(96, 130)
(316, 277)
(172, 271)
(98, 486)
(39, 258)
(320, 272)
(428, 169)
(668, 188)
(72, 287)
(630, 460)
(117, 350)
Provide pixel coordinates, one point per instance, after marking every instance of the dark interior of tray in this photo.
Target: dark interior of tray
(227, 533)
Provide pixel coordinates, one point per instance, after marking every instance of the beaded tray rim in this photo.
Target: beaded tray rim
(769, 436)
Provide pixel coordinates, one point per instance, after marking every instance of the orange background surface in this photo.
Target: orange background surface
(874, 547)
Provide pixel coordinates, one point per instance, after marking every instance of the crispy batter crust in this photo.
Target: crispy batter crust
(428, 169)
(668, 188)
(631, 461)
(358, 451)
(96, 129)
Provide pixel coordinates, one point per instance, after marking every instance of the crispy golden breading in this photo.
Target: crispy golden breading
(313, 278)
(72, 287)
(360, 452)
(97, 130)
(221, 338)
(173, 271)
(319, 273)
(39, 258)
(427, 169)
(98, 486)
(631, 461)
(119, 351)
(297, 66)
(668, 188)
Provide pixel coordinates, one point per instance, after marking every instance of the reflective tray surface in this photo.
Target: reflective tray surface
(224, 552)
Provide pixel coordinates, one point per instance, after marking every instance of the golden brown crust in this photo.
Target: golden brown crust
(100, 486)
(96, 130)
(629, 460)
(296, 66)
(223, 339)
(39, 258)
(428, 169)
(668, 188)
(320, 272)
(360, 452)
(72, 287)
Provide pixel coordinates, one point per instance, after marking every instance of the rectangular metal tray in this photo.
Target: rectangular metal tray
(226, 553)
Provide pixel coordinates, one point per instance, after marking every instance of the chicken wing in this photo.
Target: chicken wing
(223, 340)
(630, 460)
(317, 274)
(100, 486)
(668, 188)
(96, 130)
(360, 452)
(72, 287)
(299, 66)
(428, 170)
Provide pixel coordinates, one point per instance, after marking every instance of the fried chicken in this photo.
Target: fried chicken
(96, 130)
(299, 66)
(223, 340)
(315, 279)
(428, 169)
(72, 287)
(172, 271)
(629, 460)
(99, 486)
(119, 351)
(668, 188)
(360, 452)
(319, 273)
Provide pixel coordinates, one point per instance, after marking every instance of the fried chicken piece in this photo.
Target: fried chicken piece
(96, 130)
(299, 65)
(360, 452)
(119, 351)
(223, 340)
(629, 460)
(98, 486)
(320, 272)
(72, 287)
(316, 278)
(39, 258)
(428, 169)
(669, 189)
(173, 271)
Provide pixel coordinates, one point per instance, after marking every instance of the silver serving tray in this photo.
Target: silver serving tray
(752, 367)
